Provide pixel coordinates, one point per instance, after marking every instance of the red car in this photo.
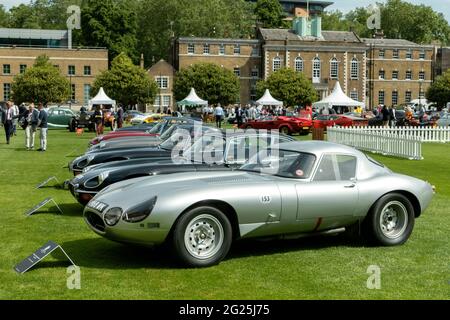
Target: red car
(286, 125)
(324, 121)
(120, 134)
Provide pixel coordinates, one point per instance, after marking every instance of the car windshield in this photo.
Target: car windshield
(283, 163)
(207, 148)
(157, 129)
(180, 136)
(166, 135)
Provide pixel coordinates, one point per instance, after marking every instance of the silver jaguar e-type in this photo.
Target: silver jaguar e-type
(297, 188)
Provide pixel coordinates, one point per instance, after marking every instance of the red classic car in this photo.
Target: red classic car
(324, 121)
(286, 125)
(120, 134)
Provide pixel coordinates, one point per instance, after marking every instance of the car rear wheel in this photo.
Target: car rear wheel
(248, 127)
(390, 221)
(285, 130)
(202, 237)
(72, 125)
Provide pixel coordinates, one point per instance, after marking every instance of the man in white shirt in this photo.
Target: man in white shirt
(218, 112)
(15, 119)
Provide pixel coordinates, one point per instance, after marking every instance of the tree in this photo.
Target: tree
(126, 83)
(289, 86)
(41, 83)
(111, 24)
(4, 17)
(161, 20)
(439, 91)
(211, 82)
(269, 13)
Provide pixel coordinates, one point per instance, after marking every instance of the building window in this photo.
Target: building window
(87, 93)
(421, 94)
(162, 82)
(6, 91)
(381, 97)
(255, 51)
(237, 71)
(334, 68)
(157, 101)
(299, 64)
(87, 70)
(422, 75)
(422, 55)
(71, 70)
(394, 98)
(23, 68)
(395, 54)
(222, 49)
(206, 48)
(394, 75)
(381, 53)
(73, 92)
(6, 69)
(354, 69)
(381, 75)
(276, 64)
(255, 73)
(237, 49)
(166, 101)
(354, 95)
(408, 96)
(316, 70)
(408, 75)
(409, 54)
(191, 48)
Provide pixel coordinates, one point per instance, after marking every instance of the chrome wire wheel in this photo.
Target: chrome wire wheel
(204, 236)
(393, 219)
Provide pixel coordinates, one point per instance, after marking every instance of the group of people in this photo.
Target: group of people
(30, 119)
(100, 118)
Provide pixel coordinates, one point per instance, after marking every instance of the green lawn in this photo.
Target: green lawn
(314, 268)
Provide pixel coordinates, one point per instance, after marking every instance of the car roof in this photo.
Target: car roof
(319, 147)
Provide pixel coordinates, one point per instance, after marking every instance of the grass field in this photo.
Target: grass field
(315, 268)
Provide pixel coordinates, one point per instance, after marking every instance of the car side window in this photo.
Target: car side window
(336, 167)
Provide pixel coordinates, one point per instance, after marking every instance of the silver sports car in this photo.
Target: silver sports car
(297, 188)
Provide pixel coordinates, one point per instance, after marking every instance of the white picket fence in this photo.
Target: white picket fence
(397, 145)
(426, 134)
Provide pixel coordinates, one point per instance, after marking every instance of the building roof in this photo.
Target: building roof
(333, 36)
(11, 33)
(216, 40)
(161, 65)
(392, 42)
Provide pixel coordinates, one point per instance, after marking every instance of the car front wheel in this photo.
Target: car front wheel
(202, 237)
(390, 221)
(285, 130)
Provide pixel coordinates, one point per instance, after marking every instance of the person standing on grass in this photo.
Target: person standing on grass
(385, 115)
(8, 121)
(43, 125)
(30, 124)
(15, 118)
(99, 120)
(218, 112)
(120, 117)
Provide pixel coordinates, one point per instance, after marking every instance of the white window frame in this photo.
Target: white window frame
(382, 94)
(422, 75)
(354, 69)
(206, 48)
(395, 54)
(74, 70)
(161, 80)
(422, 55)
(409, 54)
(237, 71)
(86, 92)
(191, 48)
(276, 64)
(408, 75)
(381, 75)
(354, 95)
(381, 53)
(6, 91)
(316, 70)
(255, 73)
(299, 64)
(408, 96)
(221, 49)
(237, 49)
(334, 69)
(394, 101)
(395, 72)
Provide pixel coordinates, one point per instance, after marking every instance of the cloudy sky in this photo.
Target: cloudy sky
(344, 5)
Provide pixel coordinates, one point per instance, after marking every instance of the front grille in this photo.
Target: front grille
(95, 221)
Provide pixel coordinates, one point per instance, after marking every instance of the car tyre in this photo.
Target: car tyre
(285, 130)
(202, 237)
(390, 221)
(72, 125)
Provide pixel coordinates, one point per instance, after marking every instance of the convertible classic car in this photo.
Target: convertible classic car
(279, 192)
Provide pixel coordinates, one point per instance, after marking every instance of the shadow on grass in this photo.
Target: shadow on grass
(105, 254)
(69, 209)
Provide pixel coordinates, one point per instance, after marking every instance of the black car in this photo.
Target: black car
(163, 150)
(83, 120)
(229, 152)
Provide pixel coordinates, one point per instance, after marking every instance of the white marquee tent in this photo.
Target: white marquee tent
(192, 100)
(337, 98)
(268, 100)
(102, 98)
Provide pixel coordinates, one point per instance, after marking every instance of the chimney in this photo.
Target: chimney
(142, 61)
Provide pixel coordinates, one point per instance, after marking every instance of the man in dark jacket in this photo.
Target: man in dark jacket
(7, 121)
(43, 125)
(385, 114)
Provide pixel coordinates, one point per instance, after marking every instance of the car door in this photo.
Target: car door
(332, 195)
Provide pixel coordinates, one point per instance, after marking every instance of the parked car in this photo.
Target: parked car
(83, 120)
(130, 114)
(285, 125)
(444, 121)
(325, 121)
(60, 118)
(279, 192)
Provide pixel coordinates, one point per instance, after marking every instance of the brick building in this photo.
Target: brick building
(20, 47)
(163, 73)
(398, 71)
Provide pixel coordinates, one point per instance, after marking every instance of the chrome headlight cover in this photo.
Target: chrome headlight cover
(140, 212)
(112, 216)
(96, 181)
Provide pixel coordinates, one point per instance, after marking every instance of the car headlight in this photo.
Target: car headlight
(112, 216)
(96, 181)
(140, 212)
(84, 163)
